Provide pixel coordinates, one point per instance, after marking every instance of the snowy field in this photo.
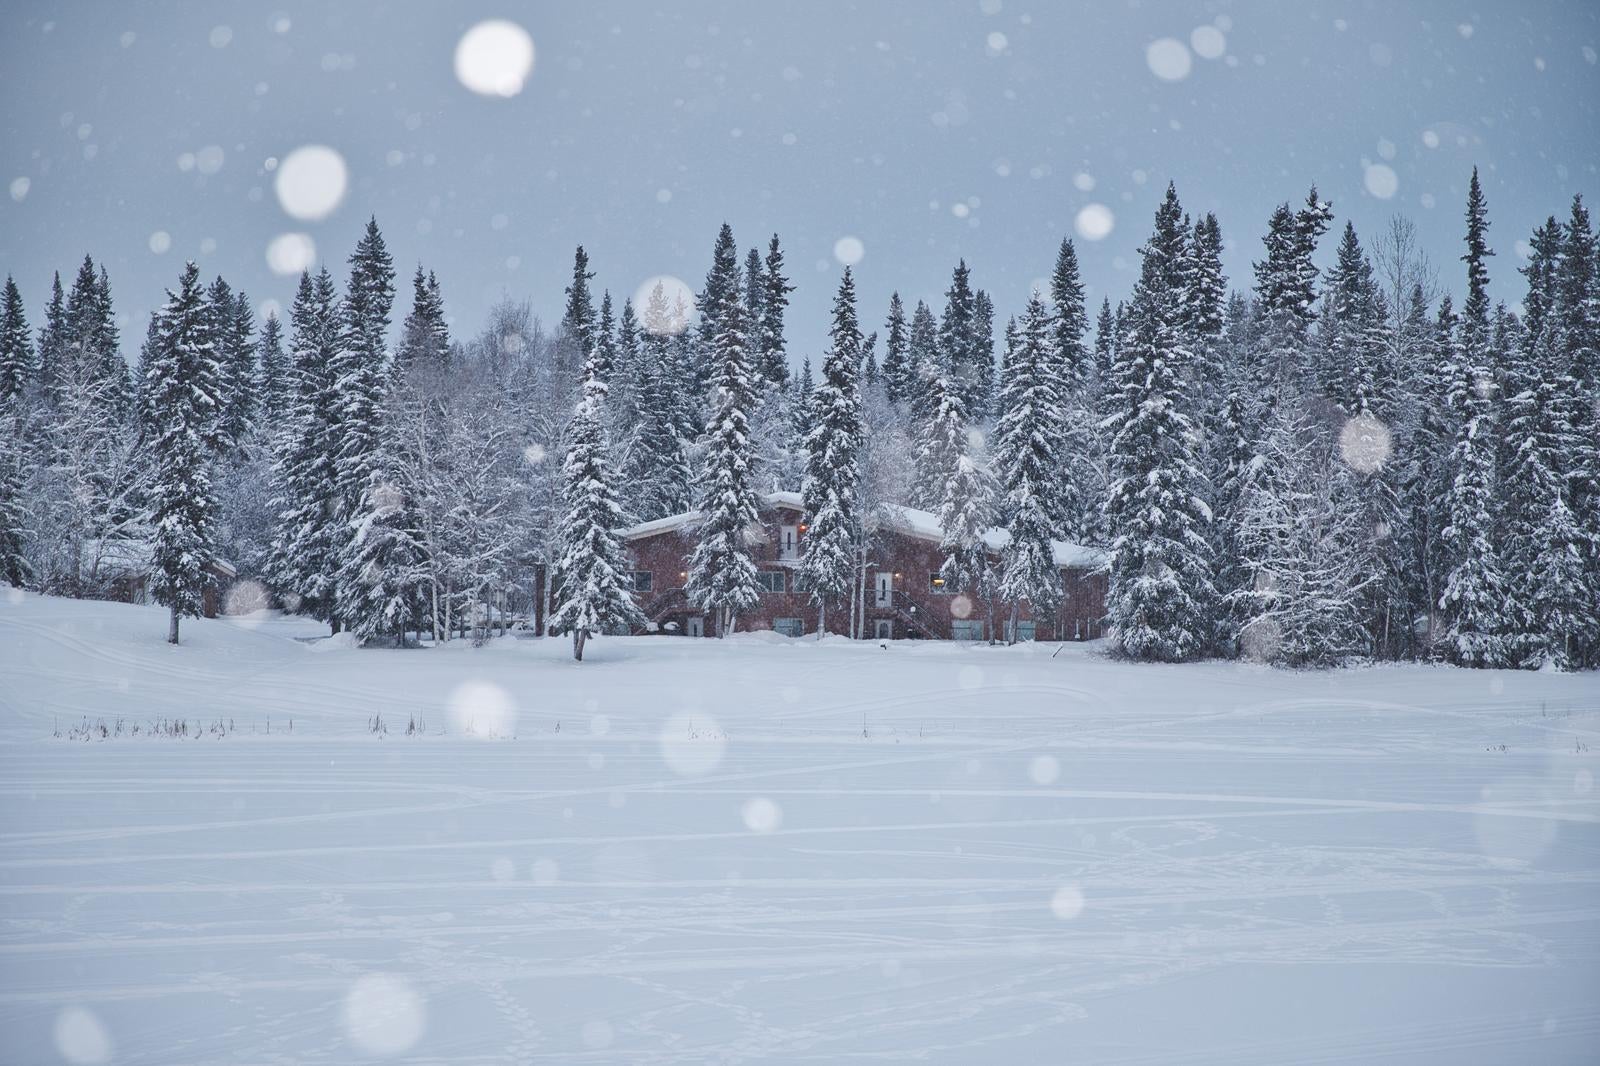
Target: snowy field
(765, 850)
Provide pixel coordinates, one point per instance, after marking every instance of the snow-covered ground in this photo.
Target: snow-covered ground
(772, 850)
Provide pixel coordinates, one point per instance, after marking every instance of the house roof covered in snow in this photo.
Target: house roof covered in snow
(911, 521)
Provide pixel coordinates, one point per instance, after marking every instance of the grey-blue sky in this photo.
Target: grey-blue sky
(645, 126)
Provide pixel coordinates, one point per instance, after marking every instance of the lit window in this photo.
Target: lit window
(937, 583)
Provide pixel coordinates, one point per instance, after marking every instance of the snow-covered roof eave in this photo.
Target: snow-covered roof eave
(789, 500)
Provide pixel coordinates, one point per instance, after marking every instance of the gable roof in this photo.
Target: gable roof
(910, 521)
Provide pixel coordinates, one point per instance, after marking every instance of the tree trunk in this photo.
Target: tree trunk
(1011, 637)
(172, 627)
(579, 636)
(544, 601)
(822, 618)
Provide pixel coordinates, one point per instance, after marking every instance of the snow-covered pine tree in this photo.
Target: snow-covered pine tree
(774, 301)
(657, 473)
(1474, 597)
(1029, 471)
(800, 404)
(1299, 534)
(722, 572)
(1069, 419)
(576, 339)
(1286, 291)
(182, 506)
(966, 507)
(724, 287)
(17, 371)
(304, 555)
(1352, 333)
(52, 336)
(16, 346)
(90, 332)
(233, 324)
(16, 519)
(982, 372)
(604, 355)
(1549, 611)
(833, 462)
(896, 370)
(1577, 306)
(958, 345)
(275, 386)
(927, 362)
(374, 589)
(425, 337)
(753, 286)
(592, 594)
(1160, 596)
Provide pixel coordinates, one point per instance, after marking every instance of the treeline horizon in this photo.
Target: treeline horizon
(1319, 467)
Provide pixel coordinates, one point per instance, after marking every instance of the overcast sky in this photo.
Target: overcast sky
(147, 134)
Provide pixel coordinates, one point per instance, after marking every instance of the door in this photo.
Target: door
(882, 629)
(788, 543)
(884, 582)
(697, 626)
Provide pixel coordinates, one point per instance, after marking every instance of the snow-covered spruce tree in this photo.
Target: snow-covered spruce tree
(1069, 419)
(1029, 470)
(425, 337)
(183, 510)
(897, 370)
(1160, 597)
(1474, 599)
(1549, 610)
(373, 585)
(1299, 542)
(958, 343)
(604, 355)
(722, 573)
(774, 300)
(16, 519)
(591, 589)
(724, 287)
(833, 462)
(304, 555)
(52, 335)
(1352, 350)
(1352, 336)
(927, 363)
(90, 337)
(236, 360)
(1286, 292)
(16, 346)
(575, 338)
(274, 385)
(17, 371)
(1577, 307)
(965, 507)
(982, 375)
(657, 471)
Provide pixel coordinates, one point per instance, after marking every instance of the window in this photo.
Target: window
(643, 580)
(789, 627)
(938, 584)
(966, 629)
(1025, 630)
(770, 580)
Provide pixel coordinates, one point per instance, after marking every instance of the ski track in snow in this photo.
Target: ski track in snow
(1260, 867)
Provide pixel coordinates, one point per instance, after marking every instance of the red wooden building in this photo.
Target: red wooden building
(902, 594)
